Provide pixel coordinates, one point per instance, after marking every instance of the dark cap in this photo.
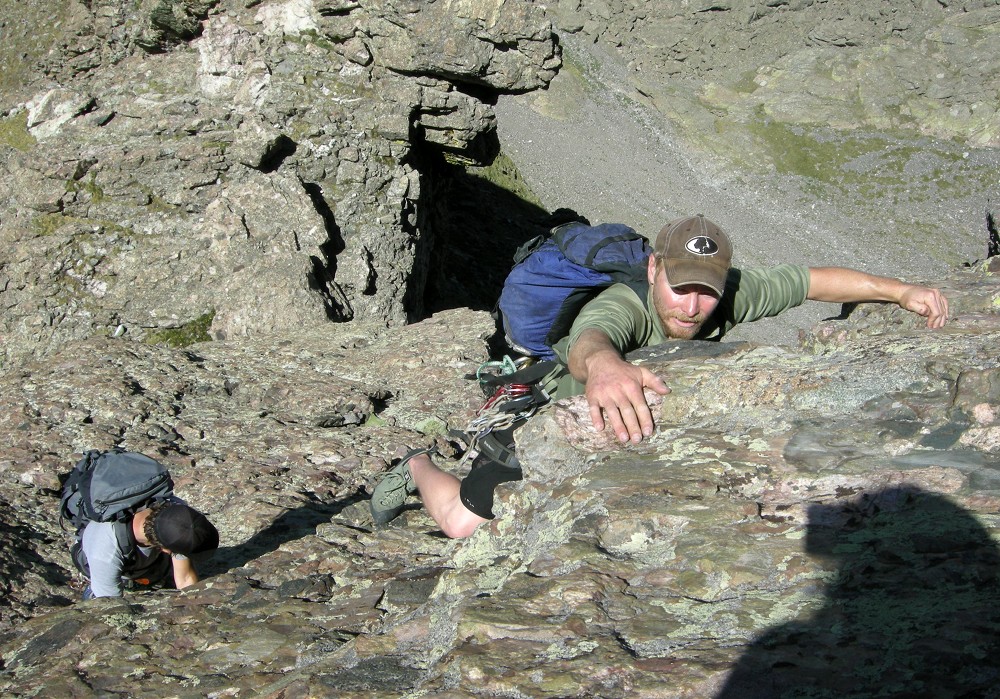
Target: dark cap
(183, 530)
(695, 251)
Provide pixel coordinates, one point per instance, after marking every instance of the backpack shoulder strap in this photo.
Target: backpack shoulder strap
(639, 285)
(127, 544)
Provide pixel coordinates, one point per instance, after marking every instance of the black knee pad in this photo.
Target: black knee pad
(486, 474)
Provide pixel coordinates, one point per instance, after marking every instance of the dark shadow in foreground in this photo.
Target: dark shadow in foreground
(914, 610)
(290, 526)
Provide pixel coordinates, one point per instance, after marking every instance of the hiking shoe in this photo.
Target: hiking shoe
(391, 491)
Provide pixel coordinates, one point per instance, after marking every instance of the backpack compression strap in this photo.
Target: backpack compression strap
(76, 489)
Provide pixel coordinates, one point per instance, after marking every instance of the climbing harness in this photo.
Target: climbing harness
(488, 372)
(513, 395)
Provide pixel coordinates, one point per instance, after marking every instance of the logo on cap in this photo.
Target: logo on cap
(701, 245)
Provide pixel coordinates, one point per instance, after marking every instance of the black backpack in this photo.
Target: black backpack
(111, 486)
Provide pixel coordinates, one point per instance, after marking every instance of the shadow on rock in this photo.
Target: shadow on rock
(28, 579)
(912, 612)
(477, 226)
(290, 526)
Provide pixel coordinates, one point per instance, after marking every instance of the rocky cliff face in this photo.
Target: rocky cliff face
(217, 218)
(222, 171)
(815, 131)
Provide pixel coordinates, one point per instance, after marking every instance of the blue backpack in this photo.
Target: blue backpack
(556, 274)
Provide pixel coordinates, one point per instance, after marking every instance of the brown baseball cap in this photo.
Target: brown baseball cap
(695, 251)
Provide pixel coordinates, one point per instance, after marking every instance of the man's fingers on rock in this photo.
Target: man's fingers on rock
(654, 382)
(597, 417)
(631, 429)
(606, 416)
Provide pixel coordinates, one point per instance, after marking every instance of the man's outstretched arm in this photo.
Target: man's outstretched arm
(842, 285)
(614, 387)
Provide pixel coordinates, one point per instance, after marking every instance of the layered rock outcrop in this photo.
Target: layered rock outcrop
(218, 218)
(222, 170)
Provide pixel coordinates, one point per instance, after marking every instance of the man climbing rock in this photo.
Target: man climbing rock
(130, 527)
(693, 293)
(169, 536)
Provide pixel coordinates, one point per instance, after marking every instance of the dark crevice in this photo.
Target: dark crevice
(470, 228)
(410, 222)
(282, 148)
(322, 277)
(993, 245)
(380, 402)
(336, 11)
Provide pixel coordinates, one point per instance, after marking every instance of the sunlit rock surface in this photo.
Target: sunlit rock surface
(217, 218)
(821, 517)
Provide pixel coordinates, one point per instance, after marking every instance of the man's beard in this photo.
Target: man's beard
(673, 331)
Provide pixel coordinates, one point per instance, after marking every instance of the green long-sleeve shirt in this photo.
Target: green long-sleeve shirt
(631, 322)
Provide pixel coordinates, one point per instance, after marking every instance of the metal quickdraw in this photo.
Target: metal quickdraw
(513, 395)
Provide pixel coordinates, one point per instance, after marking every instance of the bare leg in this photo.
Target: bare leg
(440, 493)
